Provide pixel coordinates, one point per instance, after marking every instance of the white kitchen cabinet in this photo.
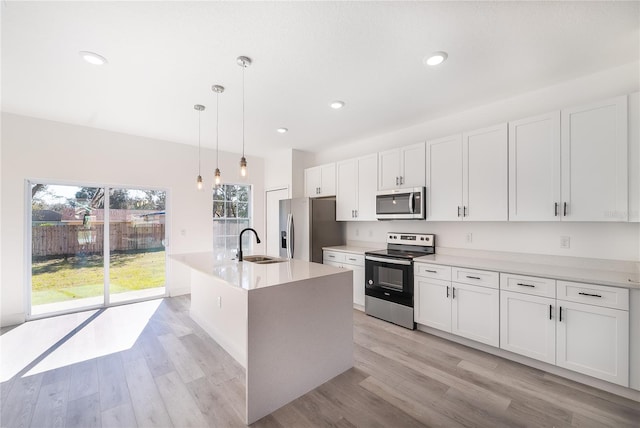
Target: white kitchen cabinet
(593, 340)
(534, 168)
(469, 311)
(528, 325)
(594, 161)
(467, 176)
(475, 313)
(320, 181)
(404, 167)
(353, 262)
(356, 189)
(634, 157)
(432, 303)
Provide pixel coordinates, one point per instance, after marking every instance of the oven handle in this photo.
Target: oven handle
(390, 261)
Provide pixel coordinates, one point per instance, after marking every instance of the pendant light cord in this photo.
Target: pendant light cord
(199, 161)
(217, 125)
(243, 67)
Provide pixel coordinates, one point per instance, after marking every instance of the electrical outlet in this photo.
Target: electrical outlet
(370, 233)
(565, 242)
(357, 232)
(219, 301)
(183, 232)
(469, 237)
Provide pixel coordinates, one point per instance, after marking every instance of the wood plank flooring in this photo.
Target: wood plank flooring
(176, 375)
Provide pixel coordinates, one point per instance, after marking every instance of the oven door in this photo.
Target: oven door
(389, 279)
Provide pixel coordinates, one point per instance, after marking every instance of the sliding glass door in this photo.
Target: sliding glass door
(136, 244)
(92, 246)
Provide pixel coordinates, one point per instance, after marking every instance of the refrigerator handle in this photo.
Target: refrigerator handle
(292, 237)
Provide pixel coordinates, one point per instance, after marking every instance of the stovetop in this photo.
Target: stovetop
(407, 246)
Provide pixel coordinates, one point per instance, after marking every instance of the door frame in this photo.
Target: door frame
(266, 211)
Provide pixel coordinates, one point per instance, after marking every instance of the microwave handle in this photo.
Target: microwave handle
(412, 202)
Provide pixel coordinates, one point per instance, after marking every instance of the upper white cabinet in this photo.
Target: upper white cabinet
(467, 176)
(404, 167)
(534, 168)
(594, 162)
(570, 165)
(320, 181)
(356, 189)
(634, 157)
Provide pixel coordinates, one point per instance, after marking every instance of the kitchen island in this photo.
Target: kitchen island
(289, 324)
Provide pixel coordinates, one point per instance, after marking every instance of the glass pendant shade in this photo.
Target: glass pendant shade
(218, 179)
(243, 166)
(199, 182)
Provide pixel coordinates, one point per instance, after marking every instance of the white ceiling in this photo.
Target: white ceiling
(164, 57)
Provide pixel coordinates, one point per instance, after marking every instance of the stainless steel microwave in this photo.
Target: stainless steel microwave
(401, 204)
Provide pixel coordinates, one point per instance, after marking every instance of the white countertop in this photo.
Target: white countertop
(354, 249)
(615, 278)
(251, 276)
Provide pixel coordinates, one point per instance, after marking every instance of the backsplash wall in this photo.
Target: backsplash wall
(613, 241)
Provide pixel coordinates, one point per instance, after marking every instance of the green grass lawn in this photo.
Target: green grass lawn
(57, 280)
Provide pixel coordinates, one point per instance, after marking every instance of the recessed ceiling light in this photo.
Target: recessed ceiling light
(435, 58)
(282, 130)
(337, 104)
(93, 58)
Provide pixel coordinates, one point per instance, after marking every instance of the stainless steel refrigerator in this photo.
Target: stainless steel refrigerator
(307, 225)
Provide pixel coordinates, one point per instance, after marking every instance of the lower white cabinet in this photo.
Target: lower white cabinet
(528, 325)
(594, 340)
(469, 311)
(353, 262)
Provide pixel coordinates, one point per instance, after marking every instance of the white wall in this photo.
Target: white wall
(46, 151)
(597, 240)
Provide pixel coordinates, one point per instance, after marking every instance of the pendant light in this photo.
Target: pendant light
(243, 62)
(218, 90)
(199, 108)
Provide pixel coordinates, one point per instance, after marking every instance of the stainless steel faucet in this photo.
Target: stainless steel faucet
(240, 241)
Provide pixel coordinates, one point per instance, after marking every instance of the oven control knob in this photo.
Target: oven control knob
(370, 282)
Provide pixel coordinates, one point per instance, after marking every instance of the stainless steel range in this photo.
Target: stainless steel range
(389, 277)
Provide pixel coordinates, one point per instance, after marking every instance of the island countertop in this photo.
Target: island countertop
(252, 276)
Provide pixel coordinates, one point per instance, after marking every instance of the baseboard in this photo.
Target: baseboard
(179, 291)
(12, 319)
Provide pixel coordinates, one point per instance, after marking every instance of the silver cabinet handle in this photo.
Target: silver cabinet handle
(589, 294)
(555, 209)
(397, 181)
(453, 292)
(401, 180)
(431, 271)
(459, 210)
(447, 291)
(473, 277)
(550, 311)
(565, 209)
(464, 211)
(357, 213)
(353, 260)
(560, 313)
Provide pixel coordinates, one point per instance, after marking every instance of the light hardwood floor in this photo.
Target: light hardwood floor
(175, 375)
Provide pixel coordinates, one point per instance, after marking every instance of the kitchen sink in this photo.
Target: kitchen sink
(263, 260)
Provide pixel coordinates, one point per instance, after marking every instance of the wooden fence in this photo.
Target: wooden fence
(71, 239)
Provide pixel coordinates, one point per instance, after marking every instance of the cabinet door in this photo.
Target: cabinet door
(389, 169)
(413, 166)
(358, 285)
(367, 178)
(485, 171)
(528, 325)
(444, 178)
(432, 303)
(534, 168)
(594, 341)
(312, 182)
(328, 180)
(475, 313)
(594, 161)
(346, 189)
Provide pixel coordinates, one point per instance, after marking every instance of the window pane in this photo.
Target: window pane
(231, 215)
(243, 210)
(218, 209)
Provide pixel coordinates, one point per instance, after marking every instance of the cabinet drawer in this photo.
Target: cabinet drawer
(333, 256)
(597, 295)
(433, 271)
(354, 259)
(483, 278)
(528, 285)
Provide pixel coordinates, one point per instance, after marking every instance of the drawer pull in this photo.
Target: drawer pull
(526, 285)
(589, 294)
(331, 256)
(431, 271)
(447, 291)
(550, 309)
(473, 277)
(353, 260)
